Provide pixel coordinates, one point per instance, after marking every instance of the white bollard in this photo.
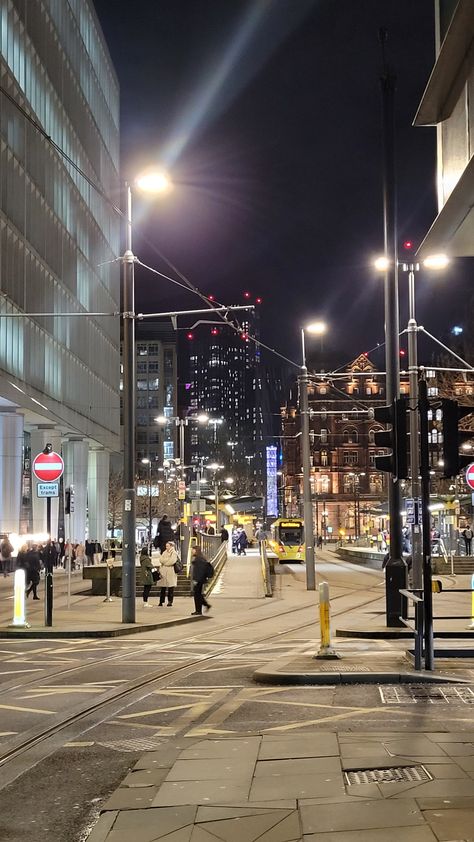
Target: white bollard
(110, 564)
(19, 606)
(325, 650)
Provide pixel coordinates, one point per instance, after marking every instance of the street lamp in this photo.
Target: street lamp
(434, 262)
(215, 468)
(150, 516)
(129, 393)
(318, 329)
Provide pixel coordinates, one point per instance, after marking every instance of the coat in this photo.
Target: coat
(200, 568)
(165, 533)
(33, 567)
(146, 565)
(169, 578)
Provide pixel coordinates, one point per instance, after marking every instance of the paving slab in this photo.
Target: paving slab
(451, 824)
(209, 814)
(225, 748)
(276, 747)
(368, 814)
(249, 828)
(131, 799)
(297, 766)
(145, 777)
(386, 834)
(200, 792)
(297, 786)
(221, 769)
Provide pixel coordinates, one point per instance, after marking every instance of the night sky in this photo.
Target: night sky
(267, 115)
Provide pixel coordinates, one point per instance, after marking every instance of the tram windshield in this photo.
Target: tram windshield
(291, 534)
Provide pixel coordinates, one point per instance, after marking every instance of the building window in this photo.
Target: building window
(324, 436)
(324, 458)
(350, 436)
(168, 449)
(350, 457)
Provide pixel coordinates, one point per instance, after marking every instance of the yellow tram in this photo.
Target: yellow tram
(287, 539)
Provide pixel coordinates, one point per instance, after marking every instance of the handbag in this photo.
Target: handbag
(178, 567)
(156, 575)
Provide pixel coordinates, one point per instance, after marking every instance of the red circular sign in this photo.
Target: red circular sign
(48, 467)
(470, 475)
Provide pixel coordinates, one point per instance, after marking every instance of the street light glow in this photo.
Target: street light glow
(154, 182)
(145, 461)
(382, 264)
(436, 261)
(202, 418)
(161, 419)
(229, 480)
(317, 328)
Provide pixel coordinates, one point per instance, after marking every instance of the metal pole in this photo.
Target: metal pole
(129, 376)
(150, 514)
(305, 447)
(48, 578)
(216, 496)
(395, 605)
(425, 501)
(412, 330)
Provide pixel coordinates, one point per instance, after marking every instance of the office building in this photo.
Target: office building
(59, 373)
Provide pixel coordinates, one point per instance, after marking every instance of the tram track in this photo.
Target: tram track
(39, 742)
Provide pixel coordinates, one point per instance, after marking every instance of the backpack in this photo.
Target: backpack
(178, 566)
(209, 570)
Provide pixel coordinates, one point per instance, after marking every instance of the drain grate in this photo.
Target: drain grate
(398, 774)
(427, 694)
(138, 744)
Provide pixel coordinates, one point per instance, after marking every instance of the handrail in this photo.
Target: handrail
(267, 580)
(415, 595)
(217, 562)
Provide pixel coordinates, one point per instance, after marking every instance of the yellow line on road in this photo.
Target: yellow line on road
(156, 710)
(308, 722)
(28, 710)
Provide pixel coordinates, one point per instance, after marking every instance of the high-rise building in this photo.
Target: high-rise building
(222, 377)
(59, 238)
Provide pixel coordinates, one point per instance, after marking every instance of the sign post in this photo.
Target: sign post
(48, 467)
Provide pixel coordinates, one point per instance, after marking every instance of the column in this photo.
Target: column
(11, 463)
(43, 435)
(98, 493)
(76, 457)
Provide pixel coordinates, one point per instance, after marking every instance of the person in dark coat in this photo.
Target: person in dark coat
(49, 555)
(242, 543)
(33, 567)
(89, 551)
(224, 535)
(165, 533)
(200, 575)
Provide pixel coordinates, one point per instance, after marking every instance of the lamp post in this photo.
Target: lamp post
(129, 392)
(215, 468)
(318, 328)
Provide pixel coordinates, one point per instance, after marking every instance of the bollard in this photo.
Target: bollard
(108, 598)
(19, 608)
(472, 602)
(325, 650)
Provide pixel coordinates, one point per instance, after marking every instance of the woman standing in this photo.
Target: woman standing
(146, 565)
(169, 578)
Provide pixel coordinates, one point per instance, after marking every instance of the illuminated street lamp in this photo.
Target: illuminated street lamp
(129, 395)
(318, 328)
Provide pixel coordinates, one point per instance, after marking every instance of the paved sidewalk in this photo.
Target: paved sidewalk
(415, 787)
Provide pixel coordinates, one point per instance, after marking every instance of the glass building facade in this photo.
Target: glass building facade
(59, 374)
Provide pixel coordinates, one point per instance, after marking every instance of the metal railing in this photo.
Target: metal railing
(423, 626)
(266, 573)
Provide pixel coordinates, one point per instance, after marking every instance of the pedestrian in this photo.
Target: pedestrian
(156, 542)
(21, 558)
(6, 550)
(467, 534)
(97, 552)
(202, 570)
(242, 543)
(105, 550)
(146, 565)
(112, 549)
(165, 532)
(224, 535)
(49, 555)
(319, 542)
(169, 577)
(211, 530)
(80, 553)
(89, 552)
(33, 567)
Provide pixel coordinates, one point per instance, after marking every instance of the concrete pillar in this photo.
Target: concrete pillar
(98, 493)
(76, 457)
(44, 434)
(11, 462)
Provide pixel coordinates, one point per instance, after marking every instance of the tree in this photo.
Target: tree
(115, 500)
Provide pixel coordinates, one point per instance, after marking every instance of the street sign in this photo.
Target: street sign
(181, 490)
(48, 467)
(470, 475)
(410, 511)
(47, 489)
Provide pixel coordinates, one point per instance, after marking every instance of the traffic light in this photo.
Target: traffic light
(453, 437)
(395, 415)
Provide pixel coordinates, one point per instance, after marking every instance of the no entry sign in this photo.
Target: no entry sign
(470, 475)
(48, 467)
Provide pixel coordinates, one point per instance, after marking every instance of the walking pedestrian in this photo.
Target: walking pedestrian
(146, 565)
(49, 555)
(33, 567)
(467, 534)
(6, 550)
(202, 570)
(169, 578)
(242, 543)
(224, 535)
(89, 551)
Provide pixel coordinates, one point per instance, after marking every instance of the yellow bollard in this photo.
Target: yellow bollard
(19, 615)
(326, 651)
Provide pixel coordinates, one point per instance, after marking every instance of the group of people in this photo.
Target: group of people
(240, 540)
(164, 566)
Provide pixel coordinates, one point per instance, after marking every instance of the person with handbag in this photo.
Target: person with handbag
(169, 577)
(147, 569)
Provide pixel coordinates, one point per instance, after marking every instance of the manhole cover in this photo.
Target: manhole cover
(140, 744)
(398, 774)
(427, 694)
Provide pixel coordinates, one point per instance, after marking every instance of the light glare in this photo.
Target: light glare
(317, 328)
(381, 264)
(154, 182)
(436, 261)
